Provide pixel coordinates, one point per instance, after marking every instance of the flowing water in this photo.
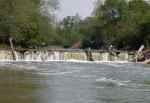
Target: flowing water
(72, 82)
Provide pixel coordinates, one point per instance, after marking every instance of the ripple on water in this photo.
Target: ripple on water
(58, 73)
(111, 82)
(67, 82)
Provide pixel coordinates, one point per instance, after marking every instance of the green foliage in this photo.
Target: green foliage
(26, 21)
(92, 34)
(69, 31)
(124, 24)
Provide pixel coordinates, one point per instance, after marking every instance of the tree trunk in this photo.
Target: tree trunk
(12, 48)
(89, 55)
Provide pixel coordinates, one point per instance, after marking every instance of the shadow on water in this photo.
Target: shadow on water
(19, 86)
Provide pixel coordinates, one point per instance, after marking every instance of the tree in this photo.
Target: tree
(69, 30)
(92, 33)
(122, 22)
(26, 21)
(139, 11)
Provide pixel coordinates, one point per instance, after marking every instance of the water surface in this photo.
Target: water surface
(60, 82)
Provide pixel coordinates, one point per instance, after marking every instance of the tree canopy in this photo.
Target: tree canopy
(27, 21)
(122, 23)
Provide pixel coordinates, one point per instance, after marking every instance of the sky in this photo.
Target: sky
(71, 7)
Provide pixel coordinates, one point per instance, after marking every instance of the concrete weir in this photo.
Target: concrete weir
(64, 55)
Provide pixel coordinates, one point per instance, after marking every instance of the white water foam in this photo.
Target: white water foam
(112, 81)
(67, 61)
(59, 72)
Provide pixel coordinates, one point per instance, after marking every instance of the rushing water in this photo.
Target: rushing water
(61, 82)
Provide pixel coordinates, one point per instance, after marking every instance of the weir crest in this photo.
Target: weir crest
(62, 55)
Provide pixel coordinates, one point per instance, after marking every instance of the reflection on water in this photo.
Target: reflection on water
(60, 82)
(19, 87)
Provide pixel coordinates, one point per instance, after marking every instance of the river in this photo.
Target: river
(72, 82)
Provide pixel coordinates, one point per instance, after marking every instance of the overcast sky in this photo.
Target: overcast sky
(72, 7)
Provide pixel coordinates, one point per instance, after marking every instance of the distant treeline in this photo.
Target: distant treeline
(121, 23)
